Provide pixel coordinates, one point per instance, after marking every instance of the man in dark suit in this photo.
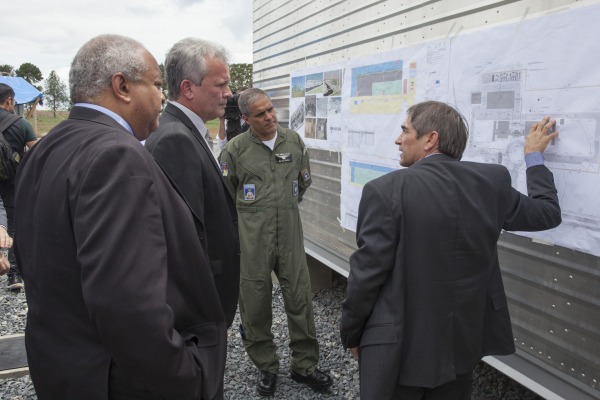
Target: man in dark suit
(425, 300)
(198, 83)
(121, 303)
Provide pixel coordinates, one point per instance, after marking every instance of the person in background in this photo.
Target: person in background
(198, 82)
(231, 124)
(5, 241)
(267, 171)
(19, 134)
(121, 300)
(425, 300)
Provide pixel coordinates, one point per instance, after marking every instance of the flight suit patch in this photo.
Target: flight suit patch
(249, 192)
(295, 188)
(225, 168)
(283, 157)
(305, 175)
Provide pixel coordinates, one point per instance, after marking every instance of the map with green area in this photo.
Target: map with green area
(362, 173)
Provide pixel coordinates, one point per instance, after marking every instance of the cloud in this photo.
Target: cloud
(48, 34)
(185, 3)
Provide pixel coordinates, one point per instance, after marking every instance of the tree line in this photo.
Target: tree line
(55, 90)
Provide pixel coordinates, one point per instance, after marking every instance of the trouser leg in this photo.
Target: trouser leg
(297, 297)
(459, 389)
(257, 318)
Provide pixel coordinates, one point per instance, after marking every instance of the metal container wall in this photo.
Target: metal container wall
(554, 292)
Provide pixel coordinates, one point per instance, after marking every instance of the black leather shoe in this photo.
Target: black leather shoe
(318, 380)
(266, 383)
(14, 280)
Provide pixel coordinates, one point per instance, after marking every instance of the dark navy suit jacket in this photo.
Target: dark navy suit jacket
(120, 294)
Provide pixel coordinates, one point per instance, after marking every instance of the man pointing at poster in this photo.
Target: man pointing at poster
(425, 300)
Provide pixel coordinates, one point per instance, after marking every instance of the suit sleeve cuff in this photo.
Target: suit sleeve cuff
(533, 159)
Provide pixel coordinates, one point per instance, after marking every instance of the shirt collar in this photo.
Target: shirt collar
(196, 120)
(108, 112)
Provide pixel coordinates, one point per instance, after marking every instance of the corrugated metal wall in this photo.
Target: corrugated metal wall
(553, 292)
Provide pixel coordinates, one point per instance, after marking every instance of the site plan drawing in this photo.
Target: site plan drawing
(502, 79)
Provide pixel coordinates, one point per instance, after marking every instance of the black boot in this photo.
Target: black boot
(317, 380)
(266, 383)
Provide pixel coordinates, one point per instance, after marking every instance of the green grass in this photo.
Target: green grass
(213, 127)
(47, 121)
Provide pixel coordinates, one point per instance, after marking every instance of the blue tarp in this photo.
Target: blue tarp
(25, 92)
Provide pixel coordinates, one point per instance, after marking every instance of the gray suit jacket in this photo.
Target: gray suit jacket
(120, 296)
(182, 153)
(425, 299)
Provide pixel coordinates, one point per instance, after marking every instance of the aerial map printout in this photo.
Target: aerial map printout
(502, 79)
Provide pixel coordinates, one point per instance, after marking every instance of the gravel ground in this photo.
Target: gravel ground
(240, 375)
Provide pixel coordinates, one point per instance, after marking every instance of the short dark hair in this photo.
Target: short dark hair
(450, 125)
(6, 92)
(249, 96)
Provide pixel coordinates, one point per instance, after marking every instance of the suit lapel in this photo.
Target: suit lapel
(180, 115)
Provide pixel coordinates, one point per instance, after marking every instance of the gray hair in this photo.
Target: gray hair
(99, 59)
(249, 96)
(187, 61)
(450, 125)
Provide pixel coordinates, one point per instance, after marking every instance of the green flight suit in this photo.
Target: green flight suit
(267, 187)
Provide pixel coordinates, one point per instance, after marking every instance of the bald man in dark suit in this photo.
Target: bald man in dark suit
(121, 300)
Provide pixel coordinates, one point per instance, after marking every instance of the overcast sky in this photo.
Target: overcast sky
(48, 33)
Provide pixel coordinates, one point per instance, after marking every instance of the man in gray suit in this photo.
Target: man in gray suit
(198, 83)
(121, 304)
(425, 300)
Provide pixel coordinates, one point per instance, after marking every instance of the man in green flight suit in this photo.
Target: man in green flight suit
(267, 172)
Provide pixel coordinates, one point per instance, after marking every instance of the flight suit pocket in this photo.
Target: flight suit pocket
(251, 172)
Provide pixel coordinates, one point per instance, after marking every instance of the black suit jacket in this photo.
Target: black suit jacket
(183, 154)
(425, 299)
(119, 291)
